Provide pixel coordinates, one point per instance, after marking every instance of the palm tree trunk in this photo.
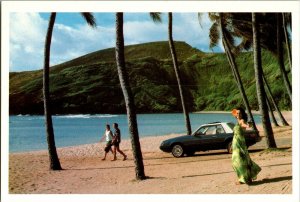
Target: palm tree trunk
(282, 119)
(178, 77)
(287, 41)
(129, 101)
(271, 112)
(53, 157)
(236, 73)
(281, 59)
(261, 95)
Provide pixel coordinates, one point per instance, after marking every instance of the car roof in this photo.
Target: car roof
(225, 125)
(214, 123)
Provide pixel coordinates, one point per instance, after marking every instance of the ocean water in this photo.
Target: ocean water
(27, 133)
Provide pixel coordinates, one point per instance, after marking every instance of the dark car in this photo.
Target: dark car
(212, 136)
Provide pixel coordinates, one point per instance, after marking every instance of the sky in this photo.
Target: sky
(72, 37)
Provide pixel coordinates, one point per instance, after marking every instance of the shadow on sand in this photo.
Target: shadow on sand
(271, 180)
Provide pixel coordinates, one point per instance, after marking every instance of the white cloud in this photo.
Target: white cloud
(145, 31)
(70, 43)
(27, 35)
(187, 28)
(28, 30)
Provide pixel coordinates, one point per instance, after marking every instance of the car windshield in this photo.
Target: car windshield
(200, 131)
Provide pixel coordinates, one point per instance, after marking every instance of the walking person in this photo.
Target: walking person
(116, 143)
(245, 168)
(108, 135)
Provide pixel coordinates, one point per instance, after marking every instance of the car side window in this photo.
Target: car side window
(211, 130)
(220, 129)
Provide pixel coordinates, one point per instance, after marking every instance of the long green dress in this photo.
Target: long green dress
(245, 168)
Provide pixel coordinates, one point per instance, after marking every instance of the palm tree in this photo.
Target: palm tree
(282, 119)
(129, 100)
(281, 58)
(227, 41)
(271, 111)
(53, 157)
(270, 23)
(177, 73)
(240, 27)
(285, 22)
(261, 95)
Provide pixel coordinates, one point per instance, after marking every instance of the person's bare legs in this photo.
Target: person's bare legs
(115, 154)
(105, 153)
(124, 155)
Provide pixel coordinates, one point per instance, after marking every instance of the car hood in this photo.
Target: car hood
(180, 138)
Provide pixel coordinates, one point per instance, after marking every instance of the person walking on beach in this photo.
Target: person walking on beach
(116, 143)
(245, 168)
(108, 135)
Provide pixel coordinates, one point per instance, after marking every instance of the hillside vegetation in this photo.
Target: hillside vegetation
(90, 84)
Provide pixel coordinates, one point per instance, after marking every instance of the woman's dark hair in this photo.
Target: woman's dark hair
(243, 113)
(107, 126)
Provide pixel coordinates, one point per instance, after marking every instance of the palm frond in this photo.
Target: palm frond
(213, 16)
(229, 37)
(156, 17)
(288, 19)
(200, 19)
(214, 35)
(247, 44)
(89, 18)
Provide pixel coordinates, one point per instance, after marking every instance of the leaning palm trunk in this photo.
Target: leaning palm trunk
(261, 95)
(129, 101)
(281, 59)
(287, 41)
(53, 157)
(271, 112)
(236, 73)
(178, 77)
(282, 119)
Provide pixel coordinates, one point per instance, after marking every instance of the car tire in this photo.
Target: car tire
(229, 147)
(177, 151)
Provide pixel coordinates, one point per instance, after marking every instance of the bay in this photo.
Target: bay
(27, 132)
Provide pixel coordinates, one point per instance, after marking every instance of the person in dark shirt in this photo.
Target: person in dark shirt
(116, 143)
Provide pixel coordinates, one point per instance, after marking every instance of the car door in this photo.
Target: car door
(210, 137)
(220, 136)
(199, 140)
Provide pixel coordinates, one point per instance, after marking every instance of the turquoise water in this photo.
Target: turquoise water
(27, 133)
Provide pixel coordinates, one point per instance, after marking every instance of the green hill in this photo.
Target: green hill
(89, 84)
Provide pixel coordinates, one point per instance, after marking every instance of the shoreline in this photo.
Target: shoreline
(94, 149)
(126, 142)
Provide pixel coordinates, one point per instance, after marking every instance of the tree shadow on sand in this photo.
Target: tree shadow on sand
(271, 180)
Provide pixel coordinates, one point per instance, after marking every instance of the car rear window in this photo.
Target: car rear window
(231, 125)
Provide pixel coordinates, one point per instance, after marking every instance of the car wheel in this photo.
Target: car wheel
(229, 147)
(177, 151)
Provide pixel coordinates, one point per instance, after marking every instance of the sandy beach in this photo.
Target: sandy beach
(205, 173)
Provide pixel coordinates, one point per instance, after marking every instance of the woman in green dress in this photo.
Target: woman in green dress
(245, 168)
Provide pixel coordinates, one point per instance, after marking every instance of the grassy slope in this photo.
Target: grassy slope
(89, 84)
